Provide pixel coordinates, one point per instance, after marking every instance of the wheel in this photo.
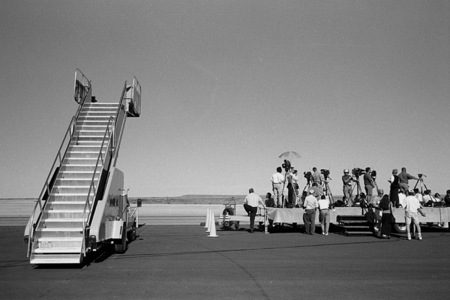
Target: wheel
(400, 227)
(227, 211)
(131, 235)
(236, 225)
(122, 247)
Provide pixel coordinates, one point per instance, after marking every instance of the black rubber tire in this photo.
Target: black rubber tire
(400, 227)
(122, 246)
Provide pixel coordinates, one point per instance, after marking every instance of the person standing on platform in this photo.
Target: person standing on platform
(403, 178)
(290, 187)
(324, 217)
(309, 216)
(393, 192)
(318, 190)
(277, 186)
(368, 184)
(251, 203)
(348, 189)
(316, 177)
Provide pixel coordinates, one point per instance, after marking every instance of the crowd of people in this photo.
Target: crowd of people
(316, 196)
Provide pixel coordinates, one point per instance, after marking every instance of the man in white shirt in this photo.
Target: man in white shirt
(401, 198)
(412, 207)
(277, 185)
(251, 203)
(309, 217)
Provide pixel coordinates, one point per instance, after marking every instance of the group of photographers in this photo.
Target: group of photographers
(318, 181)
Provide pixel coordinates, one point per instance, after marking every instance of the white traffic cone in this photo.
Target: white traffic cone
(207, 218)
(213, 226)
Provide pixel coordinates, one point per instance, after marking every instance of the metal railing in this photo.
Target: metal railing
(92, 193)
(54, 170)
(82, 87)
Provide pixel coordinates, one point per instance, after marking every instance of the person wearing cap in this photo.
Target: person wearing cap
(347, 182)
(251, 203)
(309, 217)
(412, 208)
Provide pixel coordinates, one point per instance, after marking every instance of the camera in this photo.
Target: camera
(325, 173)
(358, 172)
(308, 176)
(373, 174)
(287, 165)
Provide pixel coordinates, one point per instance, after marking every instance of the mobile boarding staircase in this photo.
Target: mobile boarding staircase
(82, 199)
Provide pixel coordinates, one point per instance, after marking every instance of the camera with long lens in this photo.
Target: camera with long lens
(325, 173)
(358, 172)
(308, 176)
(287, 165)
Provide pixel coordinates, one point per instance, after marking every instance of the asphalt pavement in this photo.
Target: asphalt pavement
(181, 262)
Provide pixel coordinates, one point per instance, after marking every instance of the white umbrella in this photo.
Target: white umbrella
(289, 155)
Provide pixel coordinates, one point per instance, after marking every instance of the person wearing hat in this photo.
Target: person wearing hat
(347, 182)
(309, 217)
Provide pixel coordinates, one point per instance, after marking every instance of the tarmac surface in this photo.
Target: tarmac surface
(181, 262)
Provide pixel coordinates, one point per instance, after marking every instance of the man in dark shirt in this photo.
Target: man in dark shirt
(403, 178)
(368, 184)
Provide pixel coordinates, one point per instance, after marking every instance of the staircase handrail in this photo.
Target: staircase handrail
(47, 183)
(118, 128)
(82, 87)
(87, 92)
(86, 216)
(136, 96)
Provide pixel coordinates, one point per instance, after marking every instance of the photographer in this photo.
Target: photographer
(368, 184)
(316, 177)
(277, 185)
(403, 178)
(348, 189)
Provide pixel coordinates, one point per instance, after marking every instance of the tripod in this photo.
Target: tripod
(327, 191)
(421, 184)
(358, 189)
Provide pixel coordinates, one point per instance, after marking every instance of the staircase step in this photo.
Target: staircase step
(68, 197)
(80, 168)
(76, 181)
(62, 229)
(80, 160)
(65, 205)
(58, 250)
(56, 223)
(56, 259)
(77, 175)
(54, 242)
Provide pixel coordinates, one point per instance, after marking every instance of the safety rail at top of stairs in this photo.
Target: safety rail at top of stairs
(46, 189)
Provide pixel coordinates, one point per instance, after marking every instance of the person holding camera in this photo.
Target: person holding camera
(290, 187)
(348, 189)
(369, 184)
(277, 186)
(393, 193)
(316, 177)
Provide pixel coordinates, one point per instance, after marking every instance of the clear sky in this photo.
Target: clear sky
(230, 85)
